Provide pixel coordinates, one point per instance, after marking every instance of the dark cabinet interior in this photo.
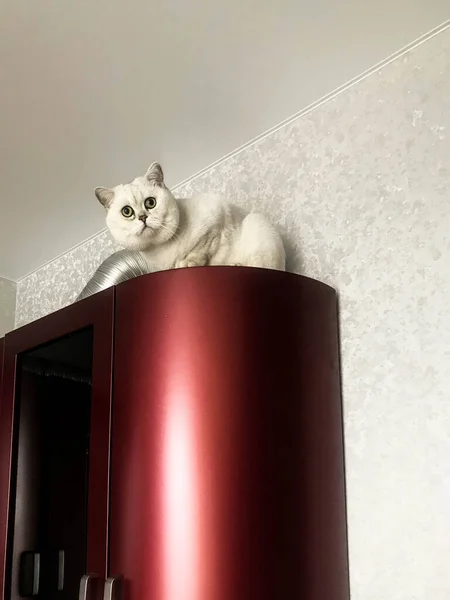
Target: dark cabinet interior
(49, 492)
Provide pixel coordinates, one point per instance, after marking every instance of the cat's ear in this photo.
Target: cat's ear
(155, 174)
(104, 196)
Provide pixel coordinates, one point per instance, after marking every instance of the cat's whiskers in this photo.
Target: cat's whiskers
(173, 232)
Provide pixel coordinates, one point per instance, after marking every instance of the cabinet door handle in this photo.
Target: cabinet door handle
(86, 586)
(29, 574)
(61, 561)
(113, 588)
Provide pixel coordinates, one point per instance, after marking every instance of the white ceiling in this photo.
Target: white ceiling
(92, 91)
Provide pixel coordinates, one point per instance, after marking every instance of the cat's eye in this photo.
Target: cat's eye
(150, 203)
(127, 212)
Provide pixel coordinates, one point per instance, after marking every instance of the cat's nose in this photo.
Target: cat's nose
(142, 218)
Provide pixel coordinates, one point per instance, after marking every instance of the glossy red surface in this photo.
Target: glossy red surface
(98, 312)
(227, 452)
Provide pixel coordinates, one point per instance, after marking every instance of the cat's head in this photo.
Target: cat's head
(142, 213)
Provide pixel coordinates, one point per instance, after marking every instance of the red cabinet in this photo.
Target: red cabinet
(218, 473)
(54, 450)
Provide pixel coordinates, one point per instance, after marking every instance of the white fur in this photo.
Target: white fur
(203, 230)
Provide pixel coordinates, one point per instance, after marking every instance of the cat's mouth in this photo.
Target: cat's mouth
(145, 227)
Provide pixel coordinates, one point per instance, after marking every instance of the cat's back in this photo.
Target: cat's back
(210, 208)
(206, 201)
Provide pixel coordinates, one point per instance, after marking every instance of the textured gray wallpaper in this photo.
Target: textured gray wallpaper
(360, 189)
(7, 305)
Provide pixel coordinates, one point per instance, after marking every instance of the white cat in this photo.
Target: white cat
(171, 233)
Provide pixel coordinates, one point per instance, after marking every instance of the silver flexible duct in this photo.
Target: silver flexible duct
(118, 267)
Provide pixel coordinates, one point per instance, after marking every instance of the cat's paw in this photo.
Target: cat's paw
(189, 262)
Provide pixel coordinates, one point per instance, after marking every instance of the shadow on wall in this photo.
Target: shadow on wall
(294, 260)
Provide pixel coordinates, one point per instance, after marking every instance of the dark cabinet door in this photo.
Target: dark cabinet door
(54, 451)
(227, 470)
